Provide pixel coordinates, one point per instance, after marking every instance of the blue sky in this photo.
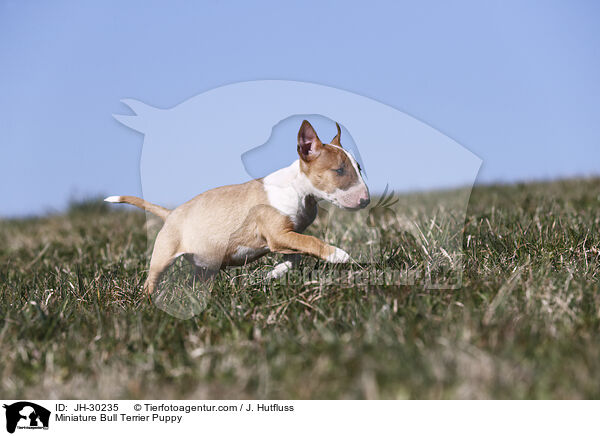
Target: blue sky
(516, 82)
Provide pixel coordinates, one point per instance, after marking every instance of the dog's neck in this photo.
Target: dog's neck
(290, 178)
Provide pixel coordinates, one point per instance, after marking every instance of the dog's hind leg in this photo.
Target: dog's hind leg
(163, 255)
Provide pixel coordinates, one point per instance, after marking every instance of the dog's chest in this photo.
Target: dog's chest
(301, 211)
(286, 197)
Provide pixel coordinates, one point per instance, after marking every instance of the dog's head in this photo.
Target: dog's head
(333, 174)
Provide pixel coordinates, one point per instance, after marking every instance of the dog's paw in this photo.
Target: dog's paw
(338, 256)
(279, 270)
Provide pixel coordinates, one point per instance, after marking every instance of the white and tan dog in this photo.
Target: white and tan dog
(234, 225)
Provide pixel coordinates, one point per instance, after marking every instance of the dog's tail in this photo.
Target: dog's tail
(159, 211)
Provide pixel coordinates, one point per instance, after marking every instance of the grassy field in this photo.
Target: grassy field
(524, 324)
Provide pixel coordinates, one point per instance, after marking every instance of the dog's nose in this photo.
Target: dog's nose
(364, 201)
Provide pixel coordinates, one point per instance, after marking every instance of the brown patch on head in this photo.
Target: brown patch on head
(331, 170)
(327, 167)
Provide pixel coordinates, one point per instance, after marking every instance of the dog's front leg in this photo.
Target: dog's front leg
(292, 242)
(277, 229)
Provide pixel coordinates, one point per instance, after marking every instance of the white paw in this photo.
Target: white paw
(279, 270)
(338, 256)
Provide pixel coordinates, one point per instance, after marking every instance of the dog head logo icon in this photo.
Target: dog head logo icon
(26, 415)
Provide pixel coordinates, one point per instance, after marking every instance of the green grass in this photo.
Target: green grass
(524, 324)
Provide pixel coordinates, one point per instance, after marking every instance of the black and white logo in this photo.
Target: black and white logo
(26, 415)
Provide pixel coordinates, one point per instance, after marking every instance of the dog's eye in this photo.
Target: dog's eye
(340, 171)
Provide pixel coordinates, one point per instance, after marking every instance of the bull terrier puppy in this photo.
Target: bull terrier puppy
(237, 224)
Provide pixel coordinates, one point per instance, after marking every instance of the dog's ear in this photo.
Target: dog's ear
(309, 144)
(336, 138)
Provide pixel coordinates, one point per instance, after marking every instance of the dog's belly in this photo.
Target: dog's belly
(243, 255)
(238, 256)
